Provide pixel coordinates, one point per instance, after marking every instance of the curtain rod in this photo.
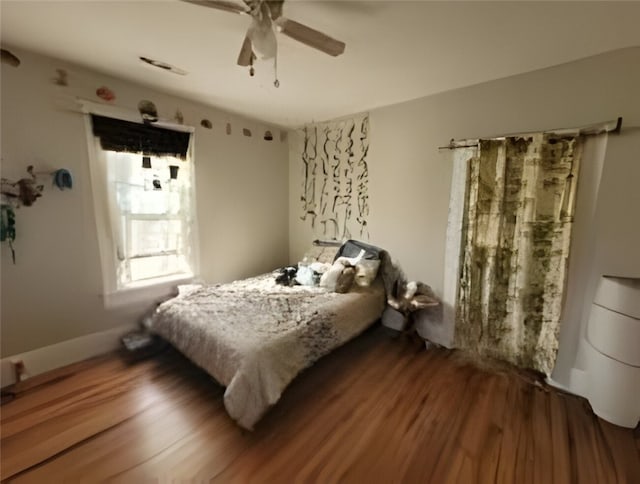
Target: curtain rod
(613, 126)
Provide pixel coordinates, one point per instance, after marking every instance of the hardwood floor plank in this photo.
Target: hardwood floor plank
(80, 420)
(376, 410)
(623, 452)
(488, 454)
(136, 440)
(540, 448)
(582, 425)
(319, 435)
(394, 438)
(68, 381)
(559, 435)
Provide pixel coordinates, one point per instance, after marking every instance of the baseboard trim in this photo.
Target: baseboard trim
(51, 357)
(577, 383)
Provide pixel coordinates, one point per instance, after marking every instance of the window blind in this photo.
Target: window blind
(119, 135)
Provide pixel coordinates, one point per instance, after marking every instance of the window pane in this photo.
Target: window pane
(153, 236)
(149, 190)
(153, 213)
(163, 265)
(133, 198)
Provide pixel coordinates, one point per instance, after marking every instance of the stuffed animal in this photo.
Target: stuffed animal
(340, 276)
(287, 276)
(407, 299)
(345, 279)
(413, 296)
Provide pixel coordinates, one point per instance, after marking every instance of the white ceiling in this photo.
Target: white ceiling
(396, 50)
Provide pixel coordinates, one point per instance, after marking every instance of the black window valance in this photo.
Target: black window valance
(119, 135)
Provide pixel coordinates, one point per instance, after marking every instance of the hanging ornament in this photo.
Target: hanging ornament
(61, 78)
(105, 93)
(148, 111)
(179, 117)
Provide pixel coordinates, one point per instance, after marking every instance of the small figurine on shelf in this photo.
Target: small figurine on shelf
(414, 296)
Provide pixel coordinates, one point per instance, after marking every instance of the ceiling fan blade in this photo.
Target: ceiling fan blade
(226, 5)
(310, 37)
(246, 53)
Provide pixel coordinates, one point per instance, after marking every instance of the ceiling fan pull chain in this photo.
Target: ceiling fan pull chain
(276, 83)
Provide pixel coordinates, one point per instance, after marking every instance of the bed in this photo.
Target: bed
(254, 336)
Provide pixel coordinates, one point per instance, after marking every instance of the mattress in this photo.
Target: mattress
(254, 336)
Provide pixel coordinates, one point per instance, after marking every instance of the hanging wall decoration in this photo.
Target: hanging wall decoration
(24, 192)
(105, 94)
(335, 178)
(148, 111)
(9, 58)
(178, 117)
(62, 78)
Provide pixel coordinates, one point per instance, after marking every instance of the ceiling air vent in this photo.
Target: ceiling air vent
(163, 65)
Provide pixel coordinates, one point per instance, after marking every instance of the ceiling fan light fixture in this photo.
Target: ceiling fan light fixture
(267, 20)
(263, 37)
(262, 40)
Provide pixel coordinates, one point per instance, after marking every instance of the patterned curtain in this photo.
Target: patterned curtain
(515, 247)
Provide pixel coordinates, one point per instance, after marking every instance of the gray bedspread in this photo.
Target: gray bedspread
(255, 336)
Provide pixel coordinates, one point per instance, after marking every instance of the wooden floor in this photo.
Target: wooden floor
(377, 410)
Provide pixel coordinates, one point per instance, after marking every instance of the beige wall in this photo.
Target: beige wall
(410, 179)
(53, 293)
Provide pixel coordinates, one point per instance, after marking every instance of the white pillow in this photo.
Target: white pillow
(319, 253)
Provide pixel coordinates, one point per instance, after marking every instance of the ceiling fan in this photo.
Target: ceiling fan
(266, 18)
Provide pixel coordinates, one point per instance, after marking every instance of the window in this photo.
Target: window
(152, 216)
(143, 186)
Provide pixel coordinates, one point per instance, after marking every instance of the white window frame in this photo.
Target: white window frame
(149, 289)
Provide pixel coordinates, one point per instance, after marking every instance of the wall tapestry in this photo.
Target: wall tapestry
(515, 248)
(335, 178)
